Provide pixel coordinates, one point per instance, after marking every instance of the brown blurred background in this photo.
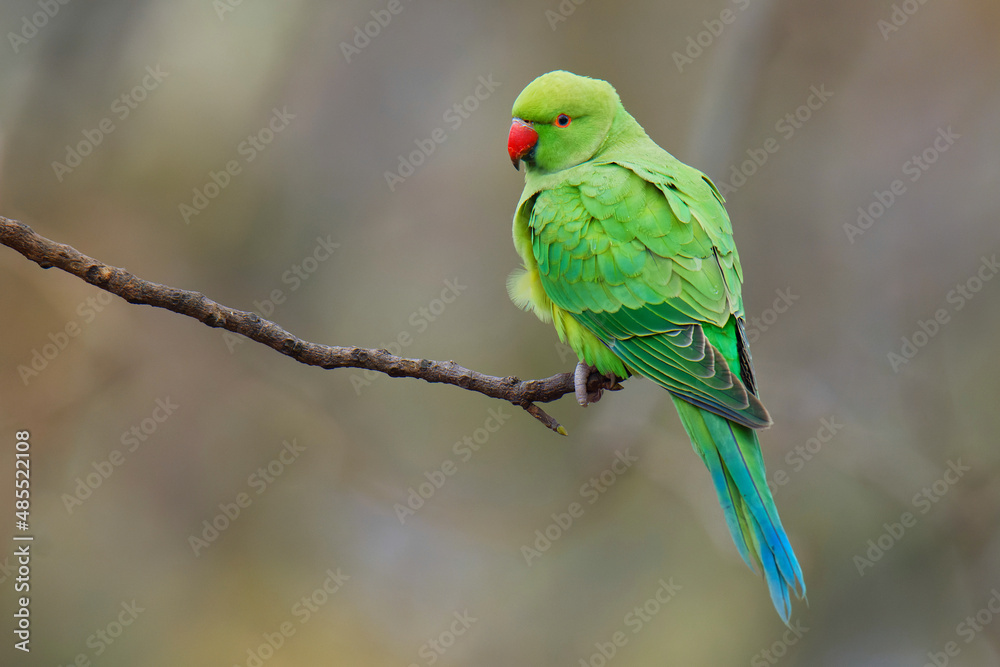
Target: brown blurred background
(309, 113)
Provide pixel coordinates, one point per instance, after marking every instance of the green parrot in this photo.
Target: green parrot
(630, 254)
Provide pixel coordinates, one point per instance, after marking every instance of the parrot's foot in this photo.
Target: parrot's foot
(590, 384)
(580, 378)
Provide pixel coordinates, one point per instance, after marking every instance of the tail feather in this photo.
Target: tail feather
(725, 487)
(777, 584)
(732, 454)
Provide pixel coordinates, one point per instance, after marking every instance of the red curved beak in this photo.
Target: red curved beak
(521, 141)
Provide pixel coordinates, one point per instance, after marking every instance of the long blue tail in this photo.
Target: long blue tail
(732, 453)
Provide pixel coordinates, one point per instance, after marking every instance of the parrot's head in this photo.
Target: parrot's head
(560, 120)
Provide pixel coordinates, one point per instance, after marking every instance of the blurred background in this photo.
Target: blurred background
(198, 499)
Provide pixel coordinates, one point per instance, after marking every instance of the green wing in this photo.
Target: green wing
(646, 262)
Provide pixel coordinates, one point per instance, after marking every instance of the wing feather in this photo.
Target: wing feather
(650, 269)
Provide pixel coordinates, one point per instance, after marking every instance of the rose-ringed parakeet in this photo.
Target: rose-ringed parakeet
(630, 254)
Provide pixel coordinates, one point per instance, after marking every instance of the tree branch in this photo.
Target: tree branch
(524, 393)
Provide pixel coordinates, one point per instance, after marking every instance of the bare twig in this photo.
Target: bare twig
(48, 254)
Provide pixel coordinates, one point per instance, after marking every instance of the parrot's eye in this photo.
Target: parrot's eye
(562, 120)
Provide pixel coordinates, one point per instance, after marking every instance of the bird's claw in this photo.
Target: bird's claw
(590, 384)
